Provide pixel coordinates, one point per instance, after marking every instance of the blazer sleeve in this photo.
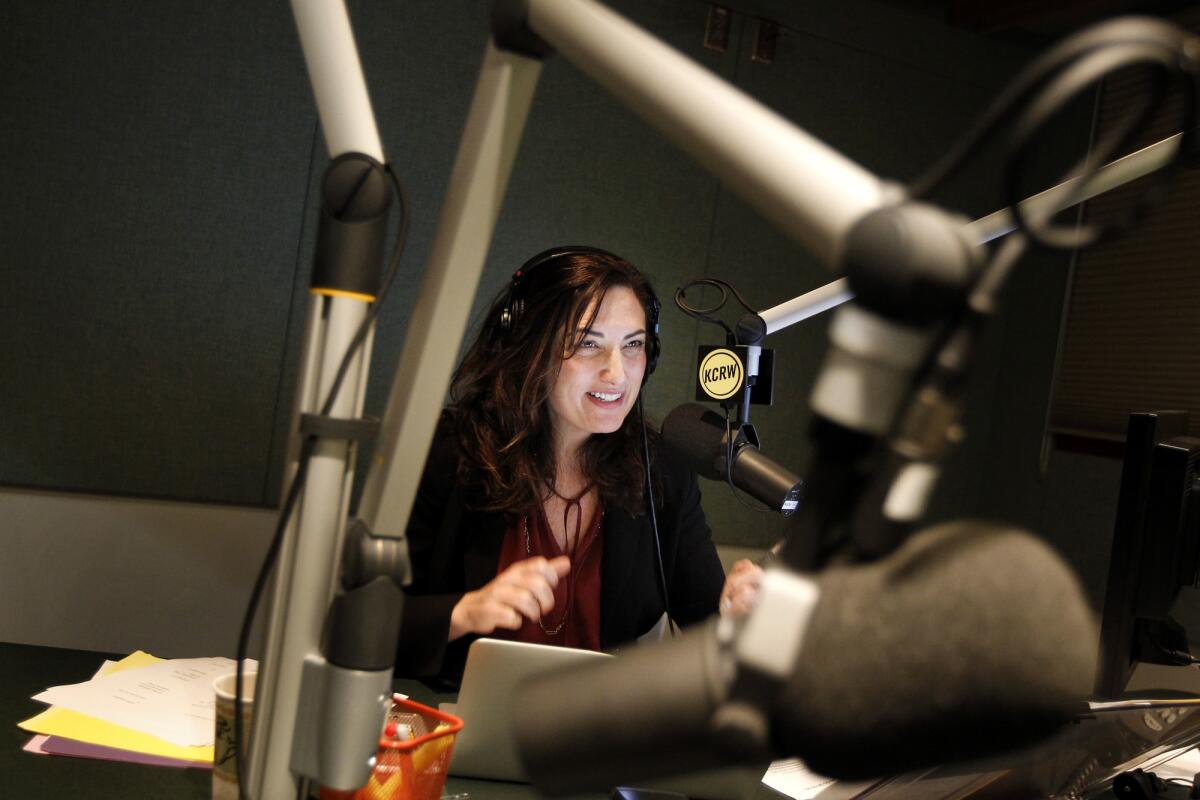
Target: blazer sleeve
(695, 575)
(433, 540)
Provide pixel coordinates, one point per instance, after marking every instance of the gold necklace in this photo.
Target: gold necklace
(571, 574)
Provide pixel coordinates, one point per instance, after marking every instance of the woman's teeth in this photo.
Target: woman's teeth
(607, 397)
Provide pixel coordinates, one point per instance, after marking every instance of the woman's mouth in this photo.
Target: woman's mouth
(606, 398)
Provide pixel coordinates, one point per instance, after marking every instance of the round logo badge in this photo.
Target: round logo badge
(721, 374)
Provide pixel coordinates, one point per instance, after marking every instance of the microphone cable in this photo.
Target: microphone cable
(1048, 85)
(298, 480)
(704, 314)
(672, 628)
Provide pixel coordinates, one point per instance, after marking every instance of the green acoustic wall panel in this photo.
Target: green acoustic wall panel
(155, 163)
(160, 167)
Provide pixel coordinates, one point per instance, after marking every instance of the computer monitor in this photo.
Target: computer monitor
(1155, 550)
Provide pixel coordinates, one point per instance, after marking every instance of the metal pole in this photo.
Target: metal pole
(1068, 193)
(996, 225)
(480, 175)
(808, 190)
(304, 582)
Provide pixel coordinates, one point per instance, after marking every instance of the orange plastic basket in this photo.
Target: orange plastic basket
(413, 755)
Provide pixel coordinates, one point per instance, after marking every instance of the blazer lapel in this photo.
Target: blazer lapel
(622, 571)
(481, 556)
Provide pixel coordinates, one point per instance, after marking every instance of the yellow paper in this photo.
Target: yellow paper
(73, 725)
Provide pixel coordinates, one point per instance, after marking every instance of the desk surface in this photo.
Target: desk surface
(26, 670)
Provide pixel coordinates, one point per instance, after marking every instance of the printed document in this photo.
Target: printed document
(172, 699)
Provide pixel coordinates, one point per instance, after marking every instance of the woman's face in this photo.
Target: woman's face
(598, 384)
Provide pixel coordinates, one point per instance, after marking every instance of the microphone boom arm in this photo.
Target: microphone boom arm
(993, 226)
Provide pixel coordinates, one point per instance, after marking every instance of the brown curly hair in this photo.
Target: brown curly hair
(500, 391)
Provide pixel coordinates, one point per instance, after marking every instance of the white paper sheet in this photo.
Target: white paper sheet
(172, 699)
(1181, 764)
(790, 777)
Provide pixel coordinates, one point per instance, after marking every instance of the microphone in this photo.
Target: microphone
(701, 437)
(968, 640)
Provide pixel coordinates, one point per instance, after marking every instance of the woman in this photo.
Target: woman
(533, 520)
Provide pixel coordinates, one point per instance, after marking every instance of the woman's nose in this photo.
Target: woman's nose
(614, 369)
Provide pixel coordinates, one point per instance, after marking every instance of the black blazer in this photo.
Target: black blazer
(454, 550)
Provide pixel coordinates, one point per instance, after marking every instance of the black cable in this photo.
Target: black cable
(306, 449)
(1005, 107)
(1048, 85)
(662, 575)
(705, 314)
(1182, 657)
(1072, 82)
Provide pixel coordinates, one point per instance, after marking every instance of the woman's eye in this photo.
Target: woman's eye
(636, 343)
(588, 344)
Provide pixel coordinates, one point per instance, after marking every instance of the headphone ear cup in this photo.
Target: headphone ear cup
(652, 349)
(514, 305)
(653, 344)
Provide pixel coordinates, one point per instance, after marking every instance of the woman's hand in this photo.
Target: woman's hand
(524, 590)
(741, 588)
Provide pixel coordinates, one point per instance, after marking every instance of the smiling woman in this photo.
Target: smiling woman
(548, 511)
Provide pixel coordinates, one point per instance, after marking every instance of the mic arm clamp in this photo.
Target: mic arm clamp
(345, 690)
(738, 436)
(750, 331)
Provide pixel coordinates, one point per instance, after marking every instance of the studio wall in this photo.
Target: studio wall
(161, 165)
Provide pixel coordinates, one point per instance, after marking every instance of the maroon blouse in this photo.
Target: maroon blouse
(575, 619)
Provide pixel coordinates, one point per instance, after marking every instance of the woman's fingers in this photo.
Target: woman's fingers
(538, 577)
(543, 595)
(741, 588)
(500, 615)
(739, 566)
(550, 569)
(522, 598)
(525, 590)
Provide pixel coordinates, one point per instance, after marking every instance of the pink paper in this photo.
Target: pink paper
(61, 746)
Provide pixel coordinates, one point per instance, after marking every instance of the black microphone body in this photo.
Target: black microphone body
(701, 437)
(967, 641)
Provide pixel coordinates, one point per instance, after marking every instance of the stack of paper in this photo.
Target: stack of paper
(141, 709)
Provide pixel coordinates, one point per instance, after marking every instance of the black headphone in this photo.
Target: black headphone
(514, 302)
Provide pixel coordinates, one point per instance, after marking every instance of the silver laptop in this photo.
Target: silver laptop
(486, 746)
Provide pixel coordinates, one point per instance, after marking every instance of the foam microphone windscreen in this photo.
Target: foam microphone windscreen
(696, 432)
(968, 640)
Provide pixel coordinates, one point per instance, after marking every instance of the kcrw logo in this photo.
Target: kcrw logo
(721, 374)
